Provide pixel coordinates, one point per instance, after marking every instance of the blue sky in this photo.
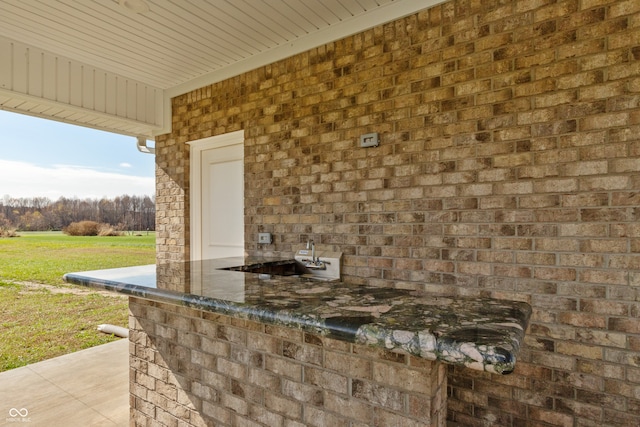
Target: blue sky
(44, 158)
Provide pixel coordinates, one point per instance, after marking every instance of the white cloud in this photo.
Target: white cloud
(20, 179)
(125, 165)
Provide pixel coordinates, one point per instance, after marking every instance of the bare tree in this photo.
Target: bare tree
(130, 213)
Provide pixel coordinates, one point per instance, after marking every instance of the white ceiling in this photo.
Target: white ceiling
(180, 45)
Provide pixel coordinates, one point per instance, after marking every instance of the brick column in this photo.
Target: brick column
(172, 199)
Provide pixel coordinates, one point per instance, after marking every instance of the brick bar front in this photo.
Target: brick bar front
(203, 369)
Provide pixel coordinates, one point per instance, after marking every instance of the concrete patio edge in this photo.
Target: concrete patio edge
(86, 388)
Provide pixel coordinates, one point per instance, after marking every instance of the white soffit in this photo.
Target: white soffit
(173, 48)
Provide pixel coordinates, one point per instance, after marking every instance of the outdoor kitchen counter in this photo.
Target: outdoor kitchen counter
(481, 334)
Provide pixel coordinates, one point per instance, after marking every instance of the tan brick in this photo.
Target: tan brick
(624, 325)
(584, 230)
(556, 186)
(290, 409)
(145, 381)
(283, 367)
(605, 183)
(557, 244)
(583, 320)
(608, 339)
(563, 274)
(355, 409)
(603, 245)
(264, 343)
(401, 378)
(326, 380)
(580, 350)
(232, 369)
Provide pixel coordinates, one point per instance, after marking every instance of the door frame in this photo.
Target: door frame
(195, 183)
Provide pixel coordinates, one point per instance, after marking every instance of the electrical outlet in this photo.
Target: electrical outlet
(264, 238)
(369, 140)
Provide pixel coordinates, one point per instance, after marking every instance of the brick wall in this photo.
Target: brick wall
(199, 368)
(508, 167)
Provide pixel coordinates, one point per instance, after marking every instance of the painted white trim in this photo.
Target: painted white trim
(195, 184)
(34, 81)
(117, 124)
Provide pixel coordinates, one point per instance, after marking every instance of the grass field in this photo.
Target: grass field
(40, 322)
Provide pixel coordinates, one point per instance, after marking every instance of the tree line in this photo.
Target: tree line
(124, 213)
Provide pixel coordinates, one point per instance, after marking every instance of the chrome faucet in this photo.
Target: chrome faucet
(314, 263)
(312, 246)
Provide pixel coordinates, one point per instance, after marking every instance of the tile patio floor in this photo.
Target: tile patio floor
(86, 388)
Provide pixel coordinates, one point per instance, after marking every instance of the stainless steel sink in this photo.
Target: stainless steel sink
(276, 268)
(297, 267)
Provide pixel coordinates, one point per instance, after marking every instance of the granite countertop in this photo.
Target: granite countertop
(481, 334)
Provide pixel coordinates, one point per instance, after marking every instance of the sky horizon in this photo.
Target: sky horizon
(44, 158)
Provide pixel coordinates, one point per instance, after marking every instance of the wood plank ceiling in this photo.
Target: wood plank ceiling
(172, 46)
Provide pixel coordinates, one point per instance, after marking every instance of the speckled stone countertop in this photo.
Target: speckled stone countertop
(481, 334)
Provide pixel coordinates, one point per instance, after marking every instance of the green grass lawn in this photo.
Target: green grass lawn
(46, 257)
(36, 323)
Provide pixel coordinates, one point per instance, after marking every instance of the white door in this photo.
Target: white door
(217, 197)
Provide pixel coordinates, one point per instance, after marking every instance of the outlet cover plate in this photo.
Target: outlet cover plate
(369, 140)
(264, 238)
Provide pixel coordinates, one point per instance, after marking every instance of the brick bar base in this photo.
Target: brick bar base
(205, 369)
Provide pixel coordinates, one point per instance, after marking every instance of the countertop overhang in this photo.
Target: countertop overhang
(479, 333)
